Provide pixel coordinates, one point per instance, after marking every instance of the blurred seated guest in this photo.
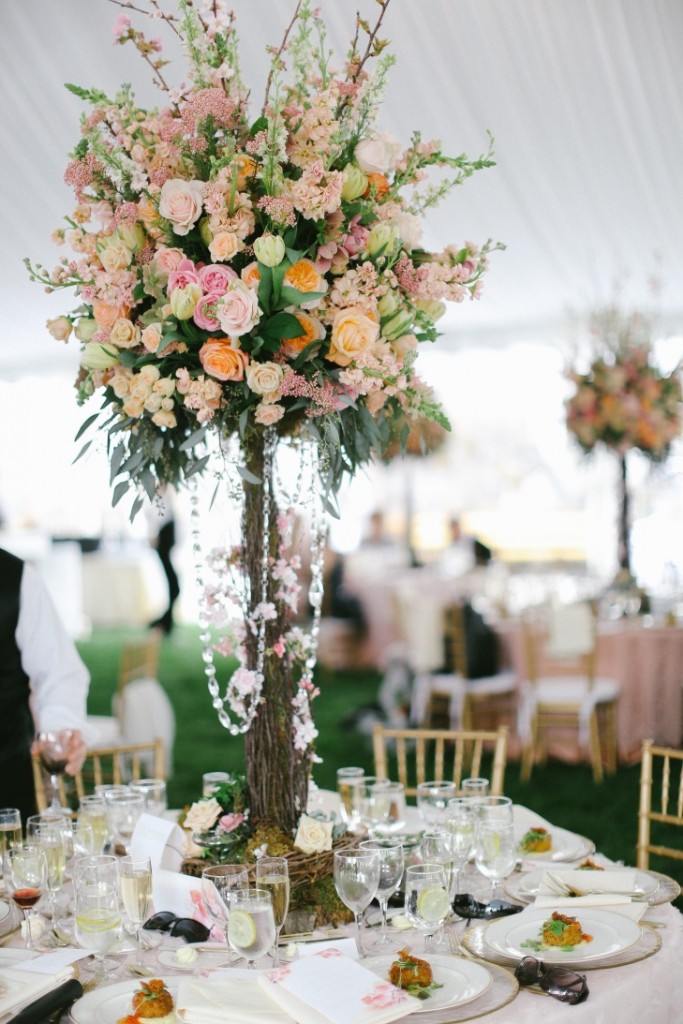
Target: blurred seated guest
(464, 552)
(377, 535)
(338, 601)
(43, 682)
(162, 526)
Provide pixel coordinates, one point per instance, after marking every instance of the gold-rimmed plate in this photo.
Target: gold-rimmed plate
(459, 980)
(610, 933)
(652, 887)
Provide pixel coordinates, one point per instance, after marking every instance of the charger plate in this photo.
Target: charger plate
(502, 990)
(656, 888)
(649, 943)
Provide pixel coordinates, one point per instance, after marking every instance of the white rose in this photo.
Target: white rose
(264, 378)
(313, 835)
(379, 154)
(181, 203)
(202, 815)
(124, 333)
(408, 228)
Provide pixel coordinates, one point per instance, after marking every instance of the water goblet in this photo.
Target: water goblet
(123, 811)
(25, 872)
(154, 792)
(495, 853)
(97, 920)
(272, 873)
(369, 805)
(95, 869)
(494, 809)
(218, 881)
(53, 750)
(391, 861)
(251, 924)
(211, 781)
(92, 810)
(432, 801)
(356, 879)
(474, 787)
(50, 839)
(393, 794)
(427, 904)
(135, 880)
(10, 829)
(461, 824)
(346, 779)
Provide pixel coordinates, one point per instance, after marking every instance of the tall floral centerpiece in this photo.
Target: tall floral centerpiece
(249, 282)
(624, 402)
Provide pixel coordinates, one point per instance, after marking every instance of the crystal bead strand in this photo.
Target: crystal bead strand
(318, 537)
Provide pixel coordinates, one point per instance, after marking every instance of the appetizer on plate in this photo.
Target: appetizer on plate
(536, 840)
(151, 1002)
(559, 932)
(589, 865)
(412, 974)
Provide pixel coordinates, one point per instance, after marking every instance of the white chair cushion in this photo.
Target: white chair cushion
(103, 731)
(561, 691)
(145, 712)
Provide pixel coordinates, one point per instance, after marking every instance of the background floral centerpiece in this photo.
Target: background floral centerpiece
(624, 402)
(248, 284)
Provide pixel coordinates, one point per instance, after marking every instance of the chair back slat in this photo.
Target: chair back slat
(440, 754)
(669, 762)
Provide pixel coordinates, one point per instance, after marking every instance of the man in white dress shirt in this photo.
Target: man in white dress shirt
(43, 682)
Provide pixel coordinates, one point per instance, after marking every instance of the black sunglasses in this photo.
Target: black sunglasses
(465, 905)
(183, 927)
(558, 982)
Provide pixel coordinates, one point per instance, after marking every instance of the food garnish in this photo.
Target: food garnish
(413, 975)
(558, 932)
(536, 840)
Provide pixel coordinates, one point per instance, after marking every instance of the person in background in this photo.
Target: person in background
(162, 519)
(464, 553)
(43, 682)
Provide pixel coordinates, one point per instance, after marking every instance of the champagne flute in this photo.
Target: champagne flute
(10, 829)
(25, 869)
(496, 852)
(53, 750)
(92, 809)
(51, 840)
(391, 862)
(218, 881)
(135, 878)
(251, 924)
(97, 920)
(427, 904)
(432, 801)
(356, 879)
(272, 873)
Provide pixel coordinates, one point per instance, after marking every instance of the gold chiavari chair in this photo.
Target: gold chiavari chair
(661, 769)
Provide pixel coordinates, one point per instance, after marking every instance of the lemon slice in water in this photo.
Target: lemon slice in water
(433, 904)
(241, 928)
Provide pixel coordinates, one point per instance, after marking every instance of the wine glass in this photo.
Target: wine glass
(356, 879)
(10, 829)
(97, 920)
(218, 881)
(346, 779)
(432, 801)
(427, 904)
(494, 809)
(495, 852)
(460, 824)
(135, 879)
(272, 873)
(391, 860)
(251, 924)
(95, 869)
(123, 811)
(53, 750)
(25, 870)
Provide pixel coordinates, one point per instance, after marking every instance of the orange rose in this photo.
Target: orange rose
(312, 330)
(251, 275)
(246, 169)
(353, 332)
(303, 276)
(220, 360)
(105, 315)
(377, 184)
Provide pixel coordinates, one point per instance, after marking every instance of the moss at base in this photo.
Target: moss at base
(320, 898)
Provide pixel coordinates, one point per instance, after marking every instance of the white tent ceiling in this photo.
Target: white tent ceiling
(584, 98)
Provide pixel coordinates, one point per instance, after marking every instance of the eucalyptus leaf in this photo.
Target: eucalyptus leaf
(119, 491)
(247, 475)
(84, 426)
(82, 452)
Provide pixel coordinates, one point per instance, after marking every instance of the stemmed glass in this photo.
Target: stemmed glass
(391, 860)
(427, 904)
(218, 881)
(476, 788)
(97, 920)
(26, 878)
(92, 809)
(135, 879)
(432, 801)
(123, 811)
(346, 780)
(53, 750)
(10, 829)
(460, 823)
(154, 792)
(51, 840)
(356, 879)
(437, 848)
(251, 924)
(496, 852)
(371, 804)
(272, 873)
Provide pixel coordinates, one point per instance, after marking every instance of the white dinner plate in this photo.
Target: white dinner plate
(566, 846)
(206, 959)
(611, 933)
(461, 980)
(645, 885)
(107, 1005)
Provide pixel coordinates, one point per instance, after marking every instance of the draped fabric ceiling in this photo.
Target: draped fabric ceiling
(584, 99)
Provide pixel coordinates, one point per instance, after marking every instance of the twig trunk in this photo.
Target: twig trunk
(624, 544)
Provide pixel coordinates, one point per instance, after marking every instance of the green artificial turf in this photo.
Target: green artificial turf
(564, 794)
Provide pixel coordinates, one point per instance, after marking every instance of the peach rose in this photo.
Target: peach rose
(312, 329)
(264, 378)
(238, 310)
(353, 332)
(220, 360)
(303, 276)
(151, 337)
(224, 246)
(105, 315)
(246, 169)
(268, 413)
(181, 203)
(251, 275)
(59, 328)
(167, 259)
(124, 333)
(115, 256)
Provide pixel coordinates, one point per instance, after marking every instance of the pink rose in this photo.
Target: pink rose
(205, 313)
(215, 278)
(184, 273)
(238, 311)
(378, 155)
(181, 203)
(268, 413)
(229, 822)
(168, 259)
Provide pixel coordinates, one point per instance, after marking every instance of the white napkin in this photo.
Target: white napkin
(330, 988)
(607, 901)
(225, 1000)
(23, 986)
(584, 882)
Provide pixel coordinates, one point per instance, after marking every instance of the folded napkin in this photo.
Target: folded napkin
(599, 901)
(330, 988)
(19, 986)
(56, 1000)
(586, 883)
(226, 1000)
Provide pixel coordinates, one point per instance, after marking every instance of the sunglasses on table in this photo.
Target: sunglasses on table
(181, 927)
(466, 906)
(558, 982)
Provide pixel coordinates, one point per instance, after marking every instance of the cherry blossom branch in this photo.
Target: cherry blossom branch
(280, 50)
